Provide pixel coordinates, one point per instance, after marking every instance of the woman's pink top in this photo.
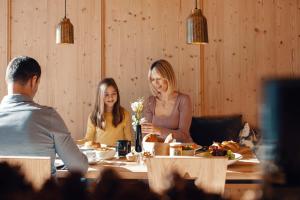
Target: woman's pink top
(178, 122)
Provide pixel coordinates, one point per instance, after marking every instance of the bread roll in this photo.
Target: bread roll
(231, 145)
(152, 138)
(96, 145)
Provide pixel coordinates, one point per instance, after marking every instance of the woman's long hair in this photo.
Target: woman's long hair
(97, 116)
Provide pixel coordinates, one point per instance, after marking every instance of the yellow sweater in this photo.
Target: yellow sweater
(111, 134)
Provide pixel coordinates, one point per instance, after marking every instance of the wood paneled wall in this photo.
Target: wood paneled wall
(138, 32)
(249, 40)
(70, 73)
(3, 43)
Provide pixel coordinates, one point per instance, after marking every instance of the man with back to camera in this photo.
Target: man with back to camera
(29, 129)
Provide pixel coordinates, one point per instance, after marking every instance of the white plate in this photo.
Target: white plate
(237, 157)
(58, 163)
(84, 148)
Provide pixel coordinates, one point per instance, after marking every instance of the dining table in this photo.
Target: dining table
(243, 175)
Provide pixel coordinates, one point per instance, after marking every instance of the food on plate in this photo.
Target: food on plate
(131, 157)
(91, 144)
(147, 154)
(96, 145)
(230, 145)
(188, 146)
(188, 149)
(152, 138)
(217, 149)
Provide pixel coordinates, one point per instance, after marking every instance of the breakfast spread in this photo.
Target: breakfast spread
(226, 148)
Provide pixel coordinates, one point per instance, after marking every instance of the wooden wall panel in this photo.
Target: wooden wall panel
(29, 36)
(138, 32)
(70, 73)
(249, 42)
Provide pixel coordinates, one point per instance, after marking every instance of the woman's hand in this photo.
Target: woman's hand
(149, 128)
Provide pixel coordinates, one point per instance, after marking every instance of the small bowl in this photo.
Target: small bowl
(105, 153)
(131, 157)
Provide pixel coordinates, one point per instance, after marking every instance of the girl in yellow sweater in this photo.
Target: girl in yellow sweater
(109, 121)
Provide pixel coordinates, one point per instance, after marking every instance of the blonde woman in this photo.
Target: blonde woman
(109, 121)
(167, 110)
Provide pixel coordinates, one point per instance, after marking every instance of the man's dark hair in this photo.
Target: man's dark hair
(21, 69)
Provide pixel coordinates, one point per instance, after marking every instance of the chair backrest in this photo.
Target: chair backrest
(36, 169)
(209, 173)
(206, 130)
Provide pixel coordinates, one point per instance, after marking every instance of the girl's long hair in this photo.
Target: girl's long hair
(97, 116)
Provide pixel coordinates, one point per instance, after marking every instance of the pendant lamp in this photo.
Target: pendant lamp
(64, 30)
(197, 27)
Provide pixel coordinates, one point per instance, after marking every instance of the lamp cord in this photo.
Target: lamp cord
(65, 8)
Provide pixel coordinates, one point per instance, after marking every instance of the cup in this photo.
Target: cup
(123, 147)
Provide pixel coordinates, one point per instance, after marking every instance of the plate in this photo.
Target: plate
(237, 157)
(58, 163)
(84, 148)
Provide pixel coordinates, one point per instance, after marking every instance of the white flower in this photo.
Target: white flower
(137, 107)
(134, 106)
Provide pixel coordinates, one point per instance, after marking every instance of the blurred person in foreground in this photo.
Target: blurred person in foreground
(281, 135)
(14, 185)
(29, 129)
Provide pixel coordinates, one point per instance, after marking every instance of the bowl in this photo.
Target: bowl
(131, 157)
(104, 153)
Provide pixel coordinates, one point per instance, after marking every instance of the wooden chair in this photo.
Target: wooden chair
(209, 173)
(36, 169)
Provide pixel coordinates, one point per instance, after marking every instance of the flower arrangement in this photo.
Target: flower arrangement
(137, 108)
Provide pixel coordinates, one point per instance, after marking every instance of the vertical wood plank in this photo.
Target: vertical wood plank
(4, 8)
